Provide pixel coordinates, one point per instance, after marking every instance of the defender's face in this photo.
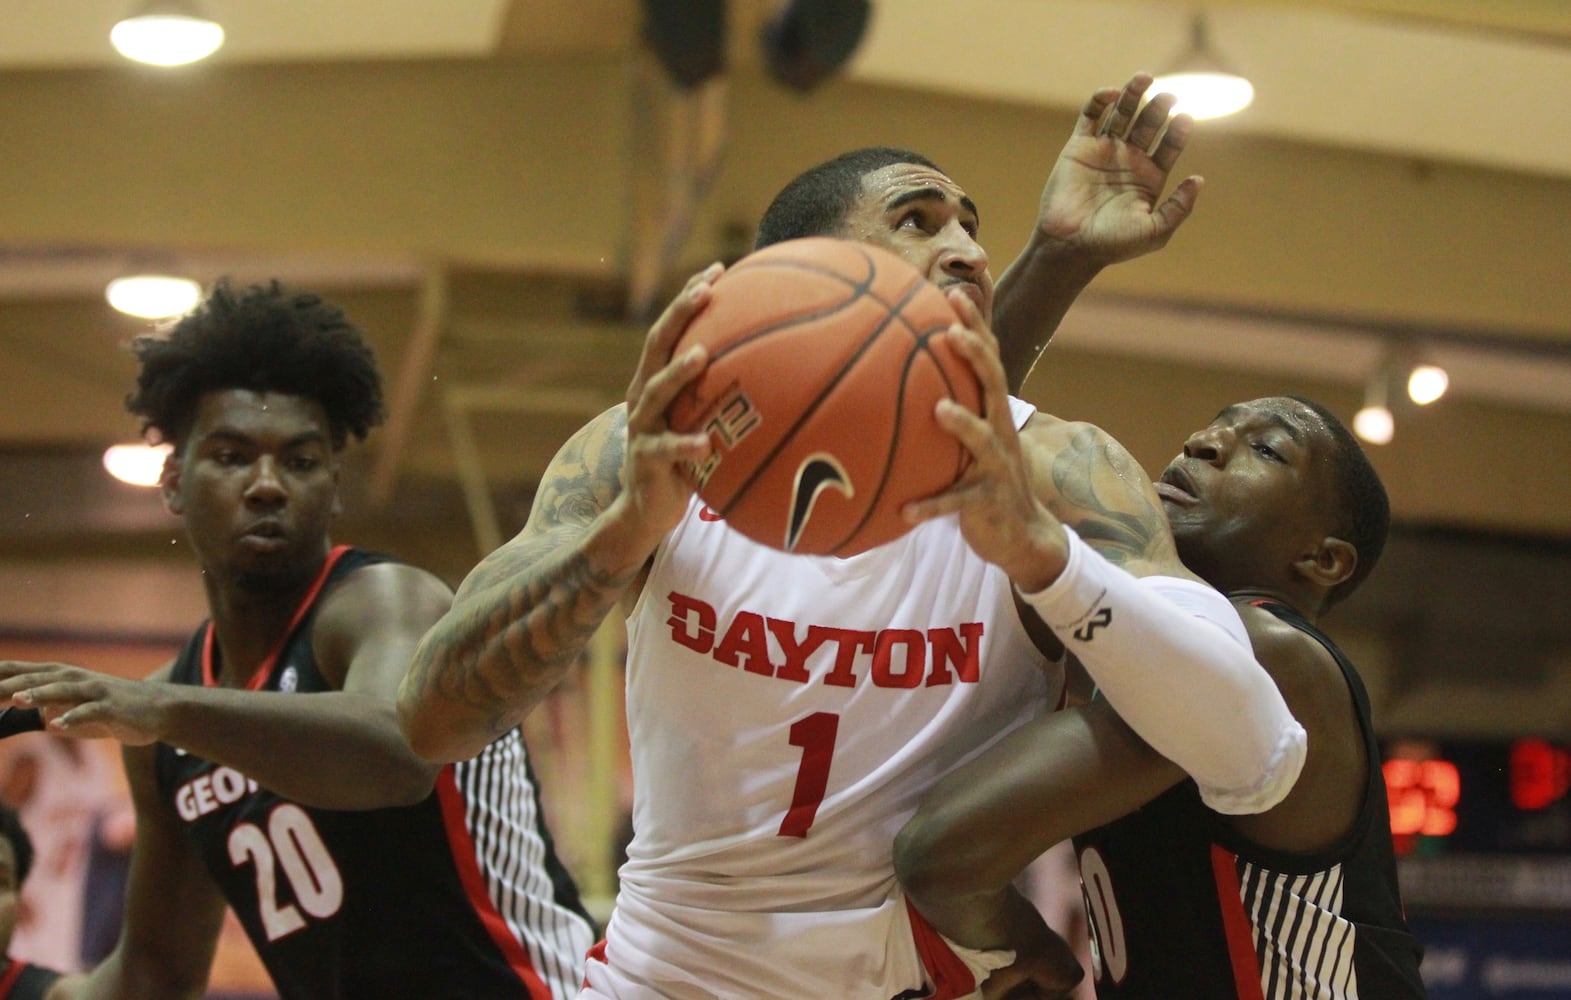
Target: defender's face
(924, 218)
(257, 483)
(1250, 493)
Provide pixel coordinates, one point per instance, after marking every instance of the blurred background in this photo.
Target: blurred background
(502, 192)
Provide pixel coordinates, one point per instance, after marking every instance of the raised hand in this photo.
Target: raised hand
(1104, 195)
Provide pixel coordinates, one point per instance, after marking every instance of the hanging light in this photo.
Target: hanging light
(136, 464)
(1375, 422)
(1206, 87)
(1427, 383)
(153, 296)
(167, 33)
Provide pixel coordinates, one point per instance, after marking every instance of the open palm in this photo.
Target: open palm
(1104, 195)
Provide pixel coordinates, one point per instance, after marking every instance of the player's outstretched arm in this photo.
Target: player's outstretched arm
(339, 749)
(524, 615)
(173, 909)
(1102, 204)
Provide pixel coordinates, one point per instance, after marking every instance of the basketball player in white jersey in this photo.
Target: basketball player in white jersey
(787, 712)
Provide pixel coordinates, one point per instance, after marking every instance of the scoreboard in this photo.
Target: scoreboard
(1477, 797)
(1483, 838)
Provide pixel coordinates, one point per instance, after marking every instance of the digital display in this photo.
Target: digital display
(1540, 774)
(1480, 797)
(1423, 795)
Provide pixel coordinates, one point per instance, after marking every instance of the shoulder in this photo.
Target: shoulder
(1077, 451)
(1090, 482)
(382, 587)
(1044, 428)
(1299, 663)
(381, 601)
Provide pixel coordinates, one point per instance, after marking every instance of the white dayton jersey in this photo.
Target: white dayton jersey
(786, 715)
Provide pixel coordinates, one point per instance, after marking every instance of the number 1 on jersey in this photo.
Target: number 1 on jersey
(815, 734)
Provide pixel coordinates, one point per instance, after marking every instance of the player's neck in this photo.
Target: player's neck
(248, 628)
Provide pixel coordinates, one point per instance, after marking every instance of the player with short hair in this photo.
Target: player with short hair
(775, 752)
(1276, 505)
(266, 762)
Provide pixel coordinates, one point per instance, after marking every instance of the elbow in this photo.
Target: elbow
(421, 724)
(1268, 786)
(430, 741)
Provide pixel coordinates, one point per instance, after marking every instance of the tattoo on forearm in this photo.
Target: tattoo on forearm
(1100, 495)
(524, 616)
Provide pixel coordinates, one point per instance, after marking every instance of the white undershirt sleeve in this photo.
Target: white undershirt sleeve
(1173, 658)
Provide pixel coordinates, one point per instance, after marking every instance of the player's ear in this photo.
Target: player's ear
(338, 498)
(1331, 562)
(169, 483)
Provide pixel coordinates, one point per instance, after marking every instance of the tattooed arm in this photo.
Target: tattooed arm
(1092, 484)
(524, 615)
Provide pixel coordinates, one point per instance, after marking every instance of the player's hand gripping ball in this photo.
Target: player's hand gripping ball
(825, 366)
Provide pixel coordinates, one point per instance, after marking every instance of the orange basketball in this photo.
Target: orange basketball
(824, 369)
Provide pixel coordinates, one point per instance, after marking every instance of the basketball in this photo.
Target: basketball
(824, 370)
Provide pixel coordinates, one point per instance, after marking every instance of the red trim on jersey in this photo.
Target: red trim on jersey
(463, 848)
(951, 977)
(209, 679)
(12, 974)
(1235, 925)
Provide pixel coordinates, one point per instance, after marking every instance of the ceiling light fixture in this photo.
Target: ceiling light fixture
(136, 464)
(153, 296)
(1375, 422)
(1427, 383)
(167, 33)
(1206, 87)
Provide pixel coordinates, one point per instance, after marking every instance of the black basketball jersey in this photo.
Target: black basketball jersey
(1184, 908)
(24, 981)
(459, 897)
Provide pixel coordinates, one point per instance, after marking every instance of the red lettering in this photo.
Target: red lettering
(847, 642)
(944, 655)
(747, 643)
(884, 673)
(697, 635)
(948, 648)
(796, 653)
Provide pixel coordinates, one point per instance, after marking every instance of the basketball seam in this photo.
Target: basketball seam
(918, 348)
(807, 411)
(859, 288)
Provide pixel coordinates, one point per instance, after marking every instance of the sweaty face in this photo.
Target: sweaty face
(926, 219)
(257, 484)
(1250, 493)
